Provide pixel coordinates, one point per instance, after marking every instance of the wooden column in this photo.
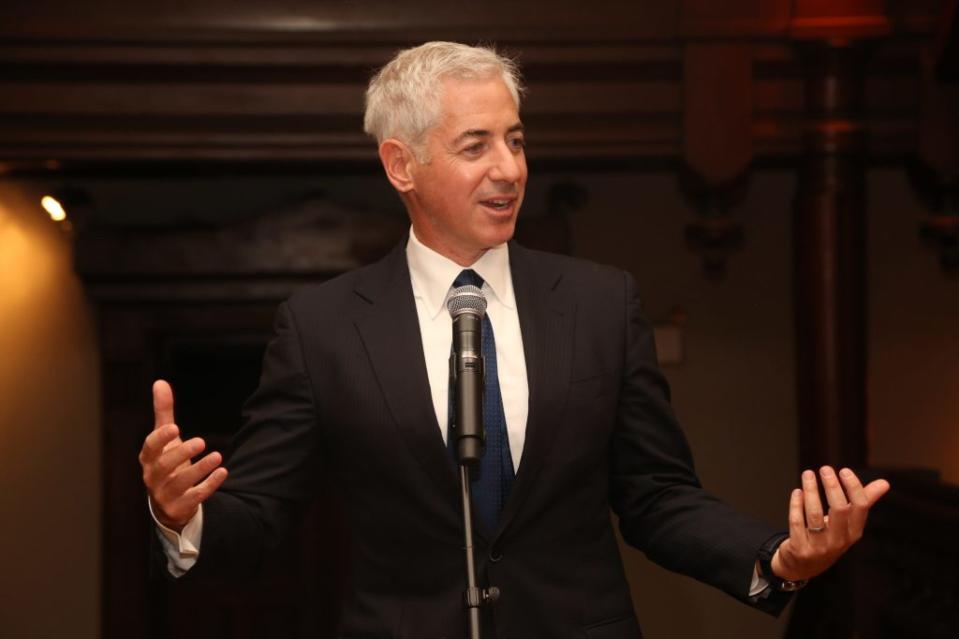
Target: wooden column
(829, 234)
(717, 145)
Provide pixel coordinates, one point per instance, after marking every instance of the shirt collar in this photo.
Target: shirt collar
(432, 274)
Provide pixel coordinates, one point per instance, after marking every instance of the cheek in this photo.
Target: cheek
(455, 189)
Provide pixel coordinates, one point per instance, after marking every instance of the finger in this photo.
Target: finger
(202, 491)
(186, 479)
(853, 487)
(876, 489)
(838, 530)
(176, 441)
(162, 404)
(797, 522)
(163, 468)
(157, 441)
(811, 502)
(834, 492)
(858, 499)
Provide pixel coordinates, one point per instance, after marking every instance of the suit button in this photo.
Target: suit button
(495, 555)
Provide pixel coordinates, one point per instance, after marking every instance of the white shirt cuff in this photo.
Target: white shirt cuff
(181, 549)
(756, 587)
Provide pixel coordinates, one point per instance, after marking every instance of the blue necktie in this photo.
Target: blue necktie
(494, 477)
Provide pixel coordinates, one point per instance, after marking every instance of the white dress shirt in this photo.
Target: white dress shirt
(432, 276)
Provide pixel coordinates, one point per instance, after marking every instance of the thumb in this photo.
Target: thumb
(162, 404)
(875, 490)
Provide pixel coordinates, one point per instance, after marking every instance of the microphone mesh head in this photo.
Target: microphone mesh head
(466, 299)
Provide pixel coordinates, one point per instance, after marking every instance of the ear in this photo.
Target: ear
(398, 161)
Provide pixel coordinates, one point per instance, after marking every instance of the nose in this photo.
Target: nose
(508, 164)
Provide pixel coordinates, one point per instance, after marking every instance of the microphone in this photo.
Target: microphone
(467, 306)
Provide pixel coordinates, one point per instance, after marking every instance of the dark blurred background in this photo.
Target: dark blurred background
(781, 176)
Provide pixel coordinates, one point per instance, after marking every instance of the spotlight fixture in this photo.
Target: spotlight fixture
(53, 207)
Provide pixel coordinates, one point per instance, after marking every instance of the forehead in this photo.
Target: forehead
(468, 103)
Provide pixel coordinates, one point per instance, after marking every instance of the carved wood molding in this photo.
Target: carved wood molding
(261, 258)
(246, 82)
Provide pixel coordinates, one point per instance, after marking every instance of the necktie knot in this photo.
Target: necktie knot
(468, 277)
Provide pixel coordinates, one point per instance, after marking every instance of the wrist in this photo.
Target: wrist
(771, 568)
(166, 522)
(776, 564)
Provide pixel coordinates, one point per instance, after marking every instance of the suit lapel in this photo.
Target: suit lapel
(391, 334)
(546, 323)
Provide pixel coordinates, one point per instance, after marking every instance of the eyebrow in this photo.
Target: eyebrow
(484, 133)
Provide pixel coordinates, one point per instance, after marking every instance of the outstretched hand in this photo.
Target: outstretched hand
(175, 484)
(816, 540)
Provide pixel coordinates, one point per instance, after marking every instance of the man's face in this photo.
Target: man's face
(465, 199)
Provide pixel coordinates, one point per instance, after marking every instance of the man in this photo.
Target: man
(357, 378)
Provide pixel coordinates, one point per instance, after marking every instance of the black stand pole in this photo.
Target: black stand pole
(475, 597)
(467, 375)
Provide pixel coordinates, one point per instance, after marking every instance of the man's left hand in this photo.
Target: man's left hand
(816, 540)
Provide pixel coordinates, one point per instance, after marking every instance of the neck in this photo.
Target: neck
(464, 258)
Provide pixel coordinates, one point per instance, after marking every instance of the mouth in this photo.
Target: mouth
(499, 204)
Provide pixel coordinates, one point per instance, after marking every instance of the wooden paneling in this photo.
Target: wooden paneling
(710, 19)
(560, 19)
(283, 82)
(718, 109)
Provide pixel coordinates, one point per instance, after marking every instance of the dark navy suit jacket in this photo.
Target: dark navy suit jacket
(344, 385)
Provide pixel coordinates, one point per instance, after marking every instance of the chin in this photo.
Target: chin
(501, 235)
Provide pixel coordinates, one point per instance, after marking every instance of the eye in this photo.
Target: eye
(475, 148)
(518, 143)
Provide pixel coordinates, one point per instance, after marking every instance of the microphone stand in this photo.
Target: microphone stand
(467, 375)
(475, 596)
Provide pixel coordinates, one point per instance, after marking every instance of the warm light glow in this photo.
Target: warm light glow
(54, 208)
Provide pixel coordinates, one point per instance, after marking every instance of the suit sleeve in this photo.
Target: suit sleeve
(273, 465)
(663, 509)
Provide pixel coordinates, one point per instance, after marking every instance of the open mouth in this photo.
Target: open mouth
(498, 204)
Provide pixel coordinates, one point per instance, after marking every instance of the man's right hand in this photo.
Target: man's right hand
(176, 485)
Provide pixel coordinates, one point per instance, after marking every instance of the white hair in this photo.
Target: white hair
(404, 98)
